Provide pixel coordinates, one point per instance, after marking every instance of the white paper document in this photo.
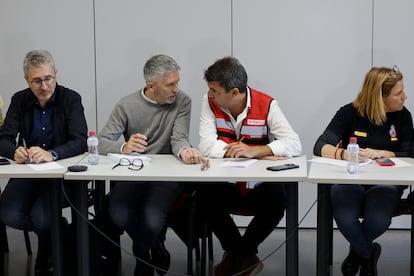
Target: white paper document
(336, 162)
(45, 166)
(241, 163)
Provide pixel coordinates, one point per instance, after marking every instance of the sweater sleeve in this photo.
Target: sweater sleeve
(180, 130)
(406, 135)
(335, 131)
(114, 128)
(11, 127)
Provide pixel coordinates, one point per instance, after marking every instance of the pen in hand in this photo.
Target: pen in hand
(227, 154)
(25, 147)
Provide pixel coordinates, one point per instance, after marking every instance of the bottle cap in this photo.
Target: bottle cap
(353, 140)
(92, 133)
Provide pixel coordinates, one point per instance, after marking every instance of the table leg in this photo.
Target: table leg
(324, 231)
(99, 196)
(292, 229)
(412, 246)
(82, 227)
(56, 233)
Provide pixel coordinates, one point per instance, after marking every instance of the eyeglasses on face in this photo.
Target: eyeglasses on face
(135, 164)
(38, 81)
(395, 71)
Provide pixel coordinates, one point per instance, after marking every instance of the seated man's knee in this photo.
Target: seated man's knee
(154, 219)
(13, 218)
(119, 215)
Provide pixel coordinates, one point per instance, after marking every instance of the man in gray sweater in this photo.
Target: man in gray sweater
(153, 120)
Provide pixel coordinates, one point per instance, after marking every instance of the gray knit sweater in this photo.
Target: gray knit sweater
(165, 125)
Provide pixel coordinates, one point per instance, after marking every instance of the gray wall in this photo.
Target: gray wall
(310, 55)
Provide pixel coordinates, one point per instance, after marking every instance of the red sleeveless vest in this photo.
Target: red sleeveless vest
(254, 128)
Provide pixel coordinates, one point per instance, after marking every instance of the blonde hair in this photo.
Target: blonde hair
(378, 83)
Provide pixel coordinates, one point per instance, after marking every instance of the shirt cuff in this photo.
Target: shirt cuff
(179, 152)
(122, 147)
(54, 154)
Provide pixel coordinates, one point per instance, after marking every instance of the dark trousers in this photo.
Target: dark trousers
(267, 202)
(25, 205)
(141, 209)
(376, 206)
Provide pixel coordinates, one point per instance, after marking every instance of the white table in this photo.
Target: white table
(25, 171)
(169, 168)
(324, 174)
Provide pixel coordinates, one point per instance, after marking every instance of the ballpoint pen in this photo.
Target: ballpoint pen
(339, 147)
(226, 155)
(25, 147)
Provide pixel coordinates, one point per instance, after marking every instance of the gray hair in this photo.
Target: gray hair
(158, 66)
(36, 58)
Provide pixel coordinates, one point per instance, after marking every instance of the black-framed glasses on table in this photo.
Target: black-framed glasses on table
(135, 164)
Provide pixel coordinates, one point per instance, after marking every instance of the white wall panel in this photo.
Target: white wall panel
(65, 28)
(194, 33)
(393, 40)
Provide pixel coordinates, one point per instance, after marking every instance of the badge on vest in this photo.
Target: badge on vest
(255, 122)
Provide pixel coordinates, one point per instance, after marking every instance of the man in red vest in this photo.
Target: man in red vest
(240, 122)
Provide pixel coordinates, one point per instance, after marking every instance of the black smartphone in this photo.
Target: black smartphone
(283, 167)
(4, 161)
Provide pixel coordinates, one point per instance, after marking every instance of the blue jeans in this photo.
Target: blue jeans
(141, 209)
(374, 205)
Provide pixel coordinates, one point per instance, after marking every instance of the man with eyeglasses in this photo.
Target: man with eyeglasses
(44, 122)
(153, 120)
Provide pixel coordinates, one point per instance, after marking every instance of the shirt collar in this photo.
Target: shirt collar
(249, 98)
(146, 98)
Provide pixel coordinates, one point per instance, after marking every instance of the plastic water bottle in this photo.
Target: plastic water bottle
(353, 153)
(93, 142)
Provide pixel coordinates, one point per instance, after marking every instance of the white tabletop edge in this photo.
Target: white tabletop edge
(177, 171)
(371, 174)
